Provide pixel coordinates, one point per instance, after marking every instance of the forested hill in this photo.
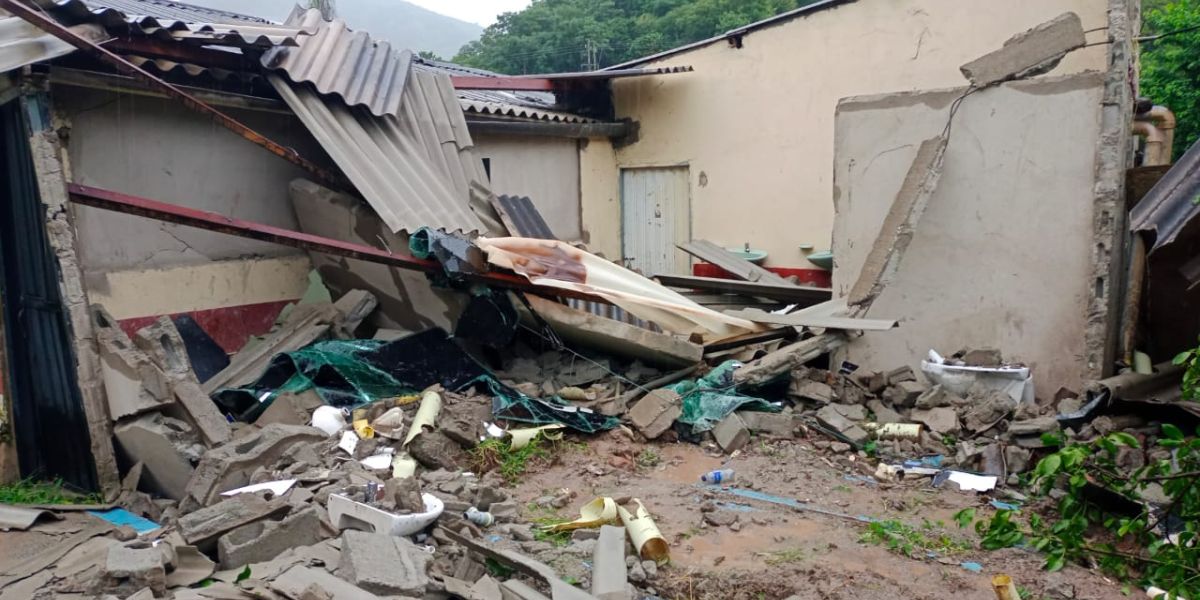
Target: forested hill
(571, 35)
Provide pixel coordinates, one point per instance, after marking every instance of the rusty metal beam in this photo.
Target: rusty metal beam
(49, 25)
(181, 53)
(173, 213)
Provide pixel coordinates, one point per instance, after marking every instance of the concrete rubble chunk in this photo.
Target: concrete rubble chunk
(983, 357)
(295, 581)
(830, 418)
(1028, 53)
(202, 413)
(882, 413)
(654, 414)
(134, 567)
(204, 526)
(304, 325)
(190, 567)
(435, 450)
(731, 433)
(787, 358)
(1017, 459)
(161, 444)
(609, 577)
(775, 424)
(941, 420)
(515, 589)
(383, 564)
(262, 541)
(854, 412)
(132, 382)
(804, 388)
(1033, 426)
(354, 307)
(904, 393)
(229, 466)
(985, 408)
(936, 397)
(291, 408)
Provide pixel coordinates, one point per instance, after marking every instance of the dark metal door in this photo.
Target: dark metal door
(48, 418)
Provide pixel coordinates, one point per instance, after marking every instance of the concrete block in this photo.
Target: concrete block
(882, 413)
(229, 466)
(299, 580)
(830, 418)
(854, 412)
(904, 393)
(262, 541)
(202, 527)
(776, 424)
(159, 443)
(1028, 53)
(609, 578)
(291, 408)
(132, 382)
(201, 412)
(383, 564)
(942, 420)
(616, 337)
(804, 388)
(655, 412)
(134, 567)
(935, 397)
(161, 342)
(731, 433)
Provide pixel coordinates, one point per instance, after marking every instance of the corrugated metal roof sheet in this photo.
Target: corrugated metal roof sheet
(173, 21)
(1171, 204)
(336, 60)
(541, 106)
(525, 217)
(23, 44)
(416, 168)
(165, 9)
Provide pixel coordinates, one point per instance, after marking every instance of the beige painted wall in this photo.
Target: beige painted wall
(544, 168)
(1002, 255)
(599, 186)
(756, 124)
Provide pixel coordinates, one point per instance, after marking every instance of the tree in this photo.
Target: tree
(568, 35)
(430, 55)
(1171, 64)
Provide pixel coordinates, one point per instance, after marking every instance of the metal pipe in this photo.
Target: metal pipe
(1155, 142)
(1164, 119)
(49, 25)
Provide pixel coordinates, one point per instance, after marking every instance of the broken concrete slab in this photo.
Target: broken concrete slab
(201, 412)
(435, 450)
(21, 518)
(731, 433)
(786, 359)
(616, 337)
(294, 582)
(202, 527)
(985, 408)
(1033, 426)
(942, 420)
(804, 388)
(775, 424)
(983, 357)
(854, 412)
(161, 444)
(191, 567)
(896, 232)
(306, 324)
(264, 540)
(384, 564)
(515, 589)
(904, 393)
(229, 466)
(1028, 53)
(609, 576)
(132, 382)
(882, 413)
(830, 418)
(656, 412)
(354, 307)
(135, 566)
(936, 397)
(291, 408)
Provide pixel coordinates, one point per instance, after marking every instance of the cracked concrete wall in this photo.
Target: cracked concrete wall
(158, 149)
(756, 124)
(1002, 255)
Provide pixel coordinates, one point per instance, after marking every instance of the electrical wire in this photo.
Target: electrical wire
(1159, 36)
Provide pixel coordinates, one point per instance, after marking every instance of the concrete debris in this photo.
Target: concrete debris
(134, 567)
(986, 409)
(942, 420)
(731, 433)
(165, 447)
(231, 465)
(1029, 53)
(804, 388)
(384, 564)
(904, 393)
(982, 357)
(883, 414)
(831, 418)
(779, 425)
(784, 360)
(609, 576)
(291, 408)
(132, 382)
(654, 414)
(204, 526)
(261, 541)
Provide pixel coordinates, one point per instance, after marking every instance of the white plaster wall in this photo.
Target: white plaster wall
(756, 123)
(1001, 256)
(158, 149)
(544, 168)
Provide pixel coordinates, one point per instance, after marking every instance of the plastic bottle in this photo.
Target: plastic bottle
(479, 517)
(717, 477)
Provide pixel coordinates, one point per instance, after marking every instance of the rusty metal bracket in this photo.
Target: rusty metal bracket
(54, 28)
(182, 215)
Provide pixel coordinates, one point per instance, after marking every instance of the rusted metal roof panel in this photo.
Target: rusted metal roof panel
(335, 60)
(1172, 203)
(417, 168)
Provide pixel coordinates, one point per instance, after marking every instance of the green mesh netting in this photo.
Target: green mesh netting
(510, 404)
(711, 398)
(367, 383)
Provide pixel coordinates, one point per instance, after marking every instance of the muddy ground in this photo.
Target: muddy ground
(774, 551)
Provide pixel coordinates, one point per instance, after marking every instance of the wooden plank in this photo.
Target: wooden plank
(817, 320)
(806, 296)
(731, 263)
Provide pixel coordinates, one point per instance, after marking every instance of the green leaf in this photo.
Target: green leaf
(964, 517)
(1055, 563)
(1125, 439)
(1172, 431)
(244, 575)
(1181, 358)
(1049, 465)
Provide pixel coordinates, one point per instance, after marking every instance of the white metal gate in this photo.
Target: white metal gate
(656, 214)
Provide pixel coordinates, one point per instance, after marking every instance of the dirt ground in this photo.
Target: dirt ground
(774, 551)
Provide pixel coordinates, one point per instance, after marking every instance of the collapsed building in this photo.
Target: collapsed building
(219, 227)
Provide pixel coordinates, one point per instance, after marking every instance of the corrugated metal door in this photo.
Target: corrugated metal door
(51, 427)
(656, 214)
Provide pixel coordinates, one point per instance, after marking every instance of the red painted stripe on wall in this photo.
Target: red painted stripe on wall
(230, 327)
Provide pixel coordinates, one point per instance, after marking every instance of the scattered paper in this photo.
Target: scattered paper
(278, 488)
(349, 442)
(379, 461)
(969, 482)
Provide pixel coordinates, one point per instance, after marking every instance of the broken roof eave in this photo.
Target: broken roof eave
(779, 19)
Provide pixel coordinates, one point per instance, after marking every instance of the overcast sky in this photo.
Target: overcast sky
(483, 12)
